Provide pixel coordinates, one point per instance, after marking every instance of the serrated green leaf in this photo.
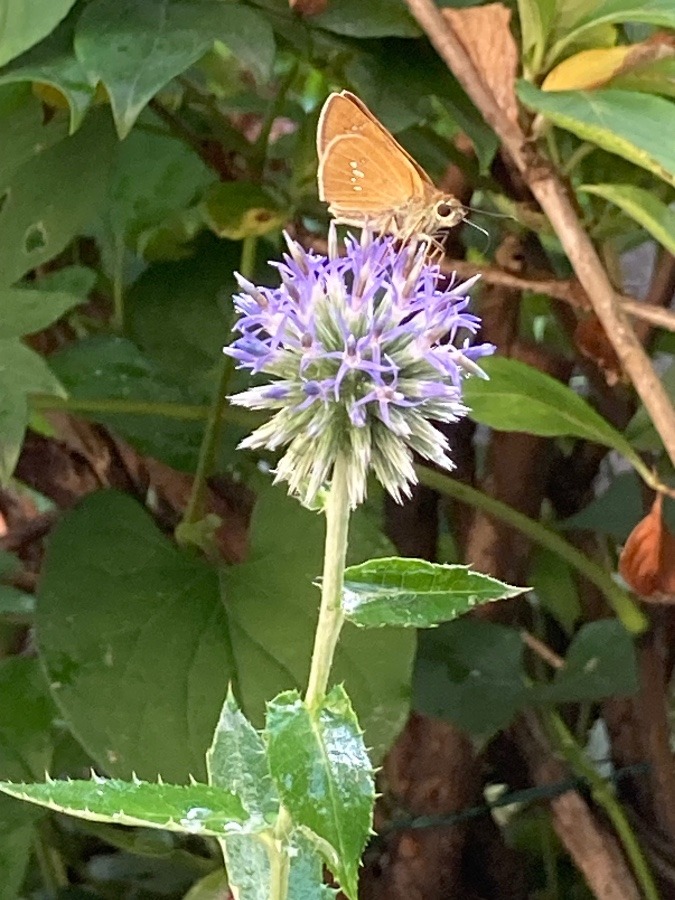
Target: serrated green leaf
(25, 22)
(325, 779)
(306, 876)
(416, 593)
(639, 127)
(655, 216)
(248, 865)
(237, 761)
(518, 397)
(187, 809)
(600, 662)
(22, 372)
(240, 209)
(53, 196)
(53, 62)
(27, 310)
(135, 47)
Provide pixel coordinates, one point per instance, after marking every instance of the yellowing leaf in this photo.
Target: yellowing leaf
(238, 209)
(594, 68)
(588, 69)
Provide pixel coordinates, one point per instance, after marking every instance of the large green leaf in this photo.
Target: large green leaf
(188, 809)
(609, 12)
(240, 209)
(120, 606)
(519, 397)
(154, 176)
(555, 587)
(25, 22)
(22, 372)
(376, 19)
(615, 512)
(23, 133)
(657, 77)
(27, 310)
(52, 197)
(639, 127)
(416, 593)
(53, 62)
(105, 368)
(179, 313)
(471, 672)
(655, 216)
(135, 47)
(600, 663)
(325, 779)
(26, 715)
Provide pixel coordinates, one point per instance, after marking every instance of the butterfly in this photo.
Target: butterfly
(369, 180)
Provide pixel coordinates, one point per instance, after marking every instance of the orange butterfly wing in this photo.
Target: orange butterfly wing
(363, 170)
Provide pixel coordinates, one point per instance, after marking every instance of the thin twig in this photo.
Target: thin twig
(552, 196)
(541, 649)
(564, 289)
(567, 290)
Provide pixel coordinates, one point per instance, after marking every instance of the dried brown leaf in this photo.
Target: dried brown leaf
(485, 34)
(592, 342)
(647, 562)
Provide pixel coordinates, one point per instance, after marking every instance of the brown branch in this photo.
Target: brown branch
(552, 196)
(593, 848)
(567, 290)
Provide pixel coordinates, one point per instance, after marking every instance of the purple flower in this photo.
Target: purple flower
(363, 351)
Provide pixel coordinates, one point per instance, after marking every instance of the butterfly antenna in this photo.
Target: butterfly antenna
(493, 215)
(482, 231)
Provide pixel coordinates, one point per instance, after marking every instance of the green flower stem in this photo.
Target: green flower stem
(604, 796)
(186, 412)
(118, 286)
(190, 412)
(331, 617)
(196, 504)
(277, 852)
(630, 615)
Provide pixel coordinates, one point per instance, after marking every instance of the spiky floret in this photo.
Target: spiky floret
(363, 351)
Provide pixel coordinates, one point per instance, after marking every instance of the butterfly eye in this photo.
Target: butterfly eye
(446, 210)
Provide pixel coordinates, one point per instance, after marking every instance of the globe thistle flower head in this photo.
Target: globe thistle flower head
(363, 351)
